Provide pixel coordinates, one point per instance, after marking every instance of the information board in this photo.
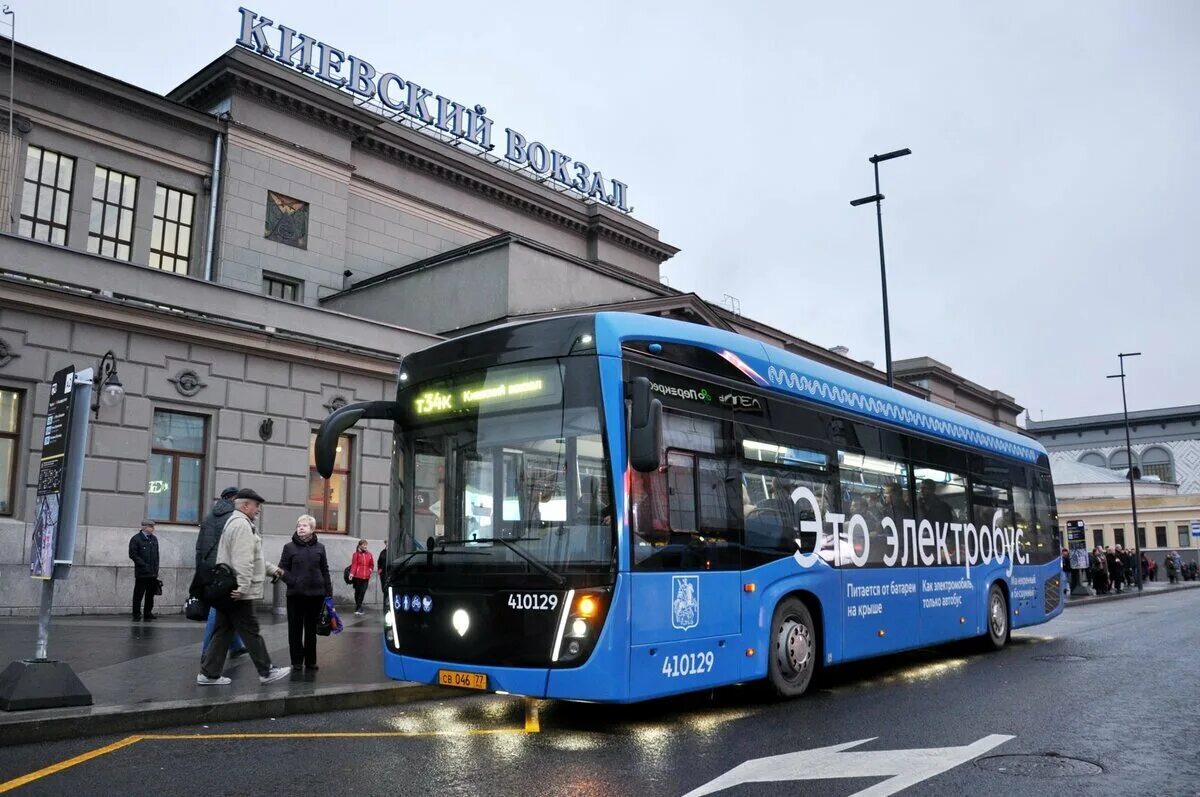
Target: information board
(55, 441)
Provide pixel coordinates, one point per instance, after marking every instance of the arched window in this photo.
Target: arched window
(1094, 458)
(1119, 460)
(1156, 461)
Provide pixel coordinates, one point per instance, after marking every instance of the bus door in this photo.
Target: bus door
(686, 582)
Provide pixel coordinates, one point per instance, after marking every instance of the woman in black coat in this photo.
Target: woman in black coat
(306, 572)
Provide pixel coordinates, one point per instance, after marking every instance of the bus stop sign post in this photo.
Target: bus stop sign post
(1077, 546)
(42, 682)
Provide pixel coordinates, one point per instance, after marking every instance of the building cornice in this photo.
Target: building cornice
(1087, 422)
(498, 241)
(116, 94)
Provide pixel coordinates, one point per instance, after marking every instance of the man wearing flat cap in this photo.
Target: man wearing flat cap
(240, 548)
(143, 550)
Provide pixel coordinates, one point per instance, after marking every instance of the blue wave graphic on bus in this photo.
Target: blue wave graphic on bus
(851, 399)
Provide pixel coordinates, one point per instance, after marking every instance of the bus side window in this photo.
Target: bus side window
(942, 499)
(772, 475)
(873, 488)
(687, 515)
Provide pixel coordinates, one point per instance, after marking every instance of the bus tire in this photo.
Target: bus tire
(997, 622)
(794, 649)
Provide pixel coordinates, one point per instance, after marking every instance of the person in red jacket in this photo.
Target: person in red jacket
(362, 564)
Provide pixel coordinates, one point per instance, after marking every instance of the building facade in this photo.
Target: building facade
(1099, 496)
(256, 249)
(1165, 443)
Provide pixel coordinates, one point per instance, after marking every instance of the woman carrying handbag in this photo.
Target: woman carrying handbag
(307, 576)
(362, 564)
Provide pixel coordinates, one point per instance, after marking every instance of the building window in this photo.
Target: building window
(1160, 536)
(329, 500)
(177, 467)
(1119, 537)
(10, 446)
(1141, 536)
(287, 220)
(1157, 462)
(46, 199)
(111, 230)
(281, 287)
(1094, 459)
(171, 236)
(1119, 460)
(1184, 537)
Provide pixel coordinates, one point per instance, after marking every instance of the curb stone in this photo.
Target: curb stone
(1131, 593)
(71, 724)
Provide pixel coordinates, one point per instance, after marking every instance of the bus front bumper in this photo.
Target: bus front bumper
(527, 681)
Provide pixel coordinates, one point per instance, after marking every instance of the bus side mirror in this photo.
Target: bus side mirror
(645, 427)
(339, 421)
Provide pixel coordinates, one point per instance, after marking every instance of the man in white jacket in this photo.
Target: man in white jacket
(241, 549)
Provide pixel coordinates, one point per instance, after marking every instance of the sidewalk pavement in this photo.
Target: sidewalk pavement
(143, 675)
(1160, 587)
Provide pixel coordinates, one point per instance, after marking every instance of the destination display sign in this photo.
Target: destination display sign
(501, 388)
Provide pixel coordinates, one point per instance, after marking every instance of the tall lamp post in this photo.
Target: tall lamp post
(1137, 543)
(877, 198)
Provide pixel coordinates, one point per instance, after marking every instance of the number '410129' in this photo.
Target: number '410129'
(687, 664)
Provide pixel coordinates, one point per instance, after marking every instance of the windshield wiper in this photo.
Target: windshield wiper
(431, 551)
(541, 566)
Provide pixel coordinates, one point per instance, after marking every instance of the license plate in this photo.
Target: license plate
(466, 680)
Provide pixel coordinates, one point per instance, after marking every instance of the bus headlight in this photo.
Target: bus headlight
(580, 615)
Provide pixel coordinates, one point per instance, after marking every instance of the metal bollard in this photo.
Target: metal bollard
(279, 599)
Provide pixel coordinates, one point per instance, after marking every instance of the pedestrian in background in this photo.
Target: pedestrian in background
(241, 549)
(143, 550)
(362, 564)
(382, 566)
(1099, 566)
(1172, 568)
(206, 557)
(306, 573)
(1116, 569)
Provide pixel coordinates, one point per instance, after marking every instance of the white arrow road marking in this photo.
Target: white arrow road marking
(903, 768)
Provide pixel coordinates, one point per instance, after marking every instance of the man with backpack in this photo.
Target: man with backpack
(239, 555)
(206, 557)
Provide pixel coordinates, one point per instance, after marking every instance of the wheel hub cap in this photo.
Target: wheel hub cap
(795, 646)
(998, 618)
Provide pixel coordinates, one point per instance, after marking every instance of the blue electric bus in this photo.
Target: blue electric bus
(616, 507)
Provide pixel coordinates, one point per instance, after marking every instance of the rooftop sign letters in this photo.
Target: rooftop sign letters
(416, 106)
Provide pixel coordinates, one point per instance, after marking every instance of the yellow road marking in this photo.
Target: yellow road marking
(531, 726)
(533, 723)
(70, 762)
(175, 737)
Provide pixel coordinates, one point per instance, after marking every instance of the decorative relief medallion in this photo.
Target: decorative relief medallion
(187, 382)
(6, 354)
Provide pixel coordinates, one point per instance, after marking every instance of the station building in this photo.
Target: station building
(1091, 464)
(255, 249)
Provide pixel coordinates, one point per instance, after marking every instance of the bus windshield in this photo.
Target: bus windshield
(508, 475)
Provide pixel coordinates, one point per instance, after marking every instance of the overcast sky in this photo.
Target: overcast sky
(1045, 221)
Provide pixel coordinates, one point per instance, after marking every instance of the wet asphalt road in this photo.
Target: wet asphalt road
(1108, 684)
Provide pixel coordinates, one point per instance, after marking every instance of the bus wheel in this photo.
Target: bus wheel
(793, 648)
(997, 619)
